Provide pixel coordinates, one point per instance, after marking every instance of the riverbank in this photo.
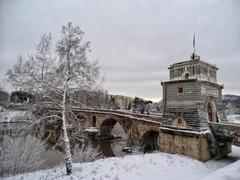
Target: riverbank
(144, 166)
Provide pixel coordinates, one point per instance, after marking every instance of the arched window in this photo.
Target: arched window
(179, 122)
(187, 76)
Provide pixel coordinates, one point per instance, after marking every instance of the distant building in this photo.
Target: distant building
(91, 99)
(124, 102)
(101, 100)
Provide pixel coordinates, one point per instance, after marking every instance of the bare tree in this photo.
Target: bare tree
(56, 77)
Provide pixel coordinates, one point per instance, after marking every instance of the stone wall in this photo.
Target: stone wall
(192, 103)
(213, 92)
(191, 93)
(186, 143)
(183, 105)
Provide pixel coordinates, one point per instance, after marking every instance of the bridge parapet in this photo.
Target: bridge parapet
(153, 117)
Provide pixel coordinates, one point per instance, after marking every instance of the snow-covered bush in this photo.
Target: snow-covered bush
(20, 155)
(86, 154)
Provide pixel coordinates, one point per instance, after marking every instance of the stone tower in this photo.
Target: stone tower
(192, 96)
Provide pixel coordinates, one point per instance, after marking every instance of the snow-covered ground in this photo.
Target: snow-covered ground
(230, 172)
(235, 118)
(148, 166)
(7, 115)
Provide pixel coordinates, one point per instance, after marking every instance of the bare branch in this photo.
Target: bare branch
(56, 102)
(47, 118)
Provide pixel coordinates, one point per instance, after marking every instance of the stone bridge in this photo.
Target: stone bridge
(140, 129)
(137, 127)
(143, 130)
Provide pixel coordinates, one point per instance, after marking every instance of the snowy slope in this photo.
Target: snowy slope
(230, 172)
(141, 167)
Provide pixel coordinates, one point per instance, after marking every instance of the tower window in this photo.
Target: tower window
(187, 76)
(179, 121)
(180, 90)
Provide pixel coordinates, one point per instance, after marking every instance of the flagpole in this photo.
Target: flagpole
(194, 46)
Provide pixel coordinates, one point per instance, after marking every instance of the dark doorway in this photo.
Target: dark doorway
(149, 141)
(94, 121)
(212, 112)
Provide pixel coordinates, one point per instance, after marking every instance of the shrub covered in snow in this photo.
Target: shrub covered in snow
(86, 154)
(20, 155)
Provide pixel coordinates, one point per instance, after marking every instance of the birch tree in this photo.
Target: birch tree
(57, 70)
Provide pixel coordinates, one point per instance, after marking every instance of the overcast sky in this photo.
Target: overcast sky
(134, 40)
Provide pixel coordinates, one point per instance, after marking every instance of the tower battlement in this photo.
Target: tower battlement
(194, 68)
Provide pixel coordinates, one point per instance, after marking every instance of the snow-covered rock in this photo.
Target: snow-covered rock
(127, 150)
(91, 130)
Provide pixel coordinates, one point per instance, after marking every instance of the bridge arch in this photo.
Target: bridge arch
(107, 125)
(149, 141)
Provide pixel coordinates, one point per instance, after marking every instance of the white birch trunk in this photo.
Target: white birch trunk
(43, 74)
(67, 150)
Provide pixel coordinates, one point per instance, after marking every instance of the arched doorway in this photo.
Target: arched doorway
(94, 120)
(149, 141)
(212, 112)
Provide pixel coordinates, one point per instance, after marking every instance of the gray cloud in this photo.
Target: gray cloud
(135, 41)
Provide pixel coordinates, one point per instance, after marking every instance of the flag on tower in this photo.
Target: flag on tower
(194, 42)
